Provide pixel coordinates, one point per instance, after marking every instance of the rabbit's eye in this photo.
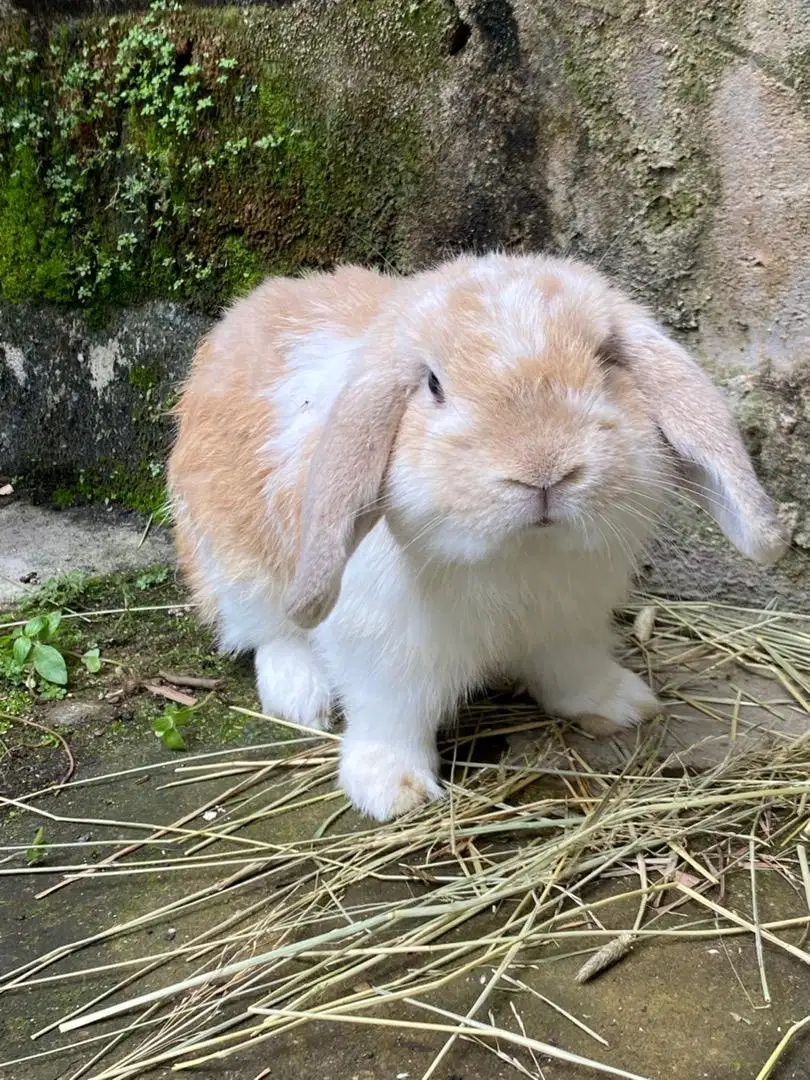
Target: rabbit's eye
(435, 388)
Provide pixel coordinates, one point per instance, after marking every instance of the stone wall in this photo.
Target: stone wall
(157, 159)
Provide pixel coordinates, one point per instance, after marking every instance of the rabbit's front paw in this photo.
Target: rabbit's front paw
(600, 695)
(629, 702)
(383, 784)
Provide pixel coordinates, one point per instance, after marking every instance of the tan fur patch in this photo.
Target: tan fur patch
(218, 468)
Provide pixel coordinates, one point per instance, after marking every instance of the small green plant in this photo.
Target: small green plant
(30, 657)
(168, 726)
(149, 578)
(30, 648)
(92, 660)
(124, 111)
(36, 853)
(60, 591)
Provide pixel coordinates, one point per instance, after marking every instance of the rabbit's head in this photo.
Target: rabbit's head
(496, 398)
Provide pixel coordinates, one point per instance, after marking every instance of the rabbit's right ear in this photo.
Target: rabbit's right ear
(343, 488)
(697, 423)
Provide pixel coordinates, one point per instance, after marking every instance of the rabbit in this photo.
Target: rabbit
(392, 488)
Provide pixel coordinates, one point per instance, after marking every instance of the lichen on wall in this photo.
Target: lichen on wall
(636, 183)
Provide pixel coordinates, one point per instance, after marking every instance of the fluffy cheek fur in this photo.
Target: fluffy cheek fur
(450, 493)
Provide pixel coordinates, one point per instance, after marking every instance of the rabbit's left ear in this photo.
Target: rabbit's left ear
(342, 496)
(697, 423)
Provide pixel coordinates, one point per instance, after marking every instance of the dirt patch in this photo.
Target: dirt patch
(30, 768)
(149, 630)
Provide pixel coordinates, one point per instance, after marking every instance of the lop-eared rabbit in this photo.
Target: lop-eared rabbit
(394, 488)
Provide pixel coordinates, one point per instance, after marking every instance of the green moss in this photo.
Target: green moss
(132, 146)
(673, 208)
(13, 702)
(144, 378)
(243, 267)
(62, 591)
(141, 488)
(32, 251)
(797, 74)
(63, 497)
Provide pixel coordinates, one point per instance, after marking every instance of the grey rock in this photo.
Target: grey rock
(74, 712)
(75, 398)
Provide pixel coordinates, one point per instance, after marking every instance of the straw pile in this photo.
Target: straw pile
(359, 925)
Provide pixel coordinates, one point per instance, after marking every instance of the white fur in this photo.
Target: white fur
(315, 374)
(291, 683)
(411, 636)
(519, 310)
(428, 610)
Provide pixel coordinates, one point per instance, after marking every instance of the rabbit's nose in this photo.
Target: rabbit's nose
(570, 476)
(547, 482)
(548, 488)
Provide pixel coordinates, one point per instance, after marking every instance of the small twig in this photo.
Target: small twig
(130, 848)
(86, 615)
(170, 693)
(557, 1008)
(193, 682)
(491, 984)
(733, 917)
(801, 851)
(54, 735)
(766, 994)
(145, 532)
(767, 1068)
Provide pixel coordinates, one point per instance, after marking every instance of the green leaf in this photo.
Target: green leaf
(38, 848)
(177, 714)
(173, 739)
(34, 627)
(181, 716)
(167, 726)
(152, 577)
(92, 661)
(50, 664)
(53, 619)
(49, 691)
(22, 647)
(162, 724)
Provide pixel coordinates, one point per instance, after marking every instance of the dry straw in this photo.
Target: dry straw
(344, 923)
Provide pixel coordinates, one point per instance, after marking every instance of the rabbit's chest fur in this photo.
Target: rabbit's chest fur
(400, 614)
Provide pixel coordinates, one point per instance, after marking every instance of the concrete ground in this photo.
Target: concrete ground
(37, 543)
(679, 1011)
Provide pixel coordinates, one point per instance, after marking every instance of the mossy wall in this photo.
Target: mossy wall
(181, 152)
(170, 155)
(158, 158)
